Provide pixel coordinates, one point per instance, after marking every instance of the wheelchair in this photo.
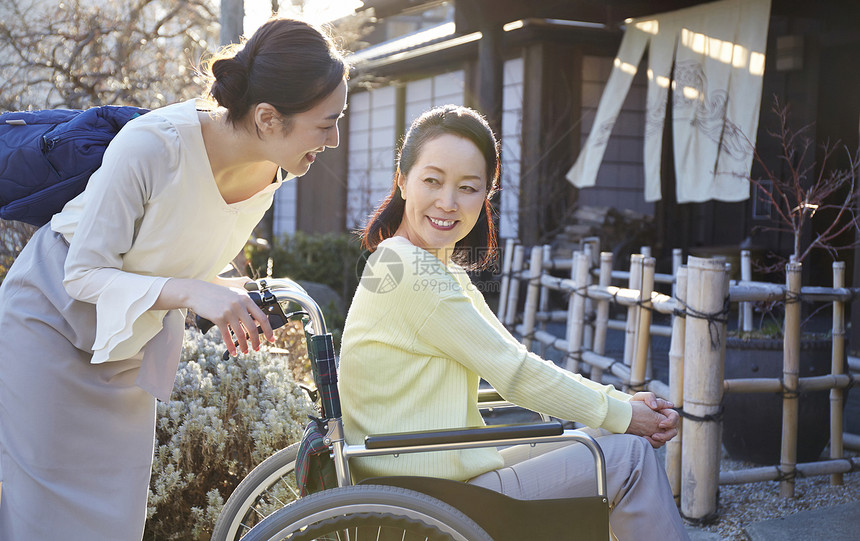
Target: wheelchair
(266, 504)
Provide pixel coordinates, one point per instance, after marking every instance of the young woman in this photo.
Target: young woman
(92, 312)
(419, 337)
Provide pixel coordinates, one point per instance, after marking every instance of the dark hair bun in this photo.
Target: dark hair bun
(288, 64)
(230, 88)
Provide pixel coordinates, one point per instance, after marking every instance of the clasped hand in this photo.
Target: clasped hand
(653, 418)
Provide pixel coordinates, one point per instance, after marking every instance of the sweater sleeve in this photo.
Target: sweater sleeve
(485, 311)
(456, 328)
(114, 201)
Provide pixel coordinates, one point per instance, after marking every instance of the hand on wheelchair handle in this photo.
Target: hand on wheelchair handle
(204, 324)
(273, 312)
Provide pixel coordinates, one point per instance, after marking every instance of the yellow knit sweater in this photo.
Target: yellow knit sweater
(417, 340)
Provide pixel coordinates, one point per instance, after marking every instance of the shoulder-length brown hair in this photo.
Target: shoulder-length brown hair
(477, 249)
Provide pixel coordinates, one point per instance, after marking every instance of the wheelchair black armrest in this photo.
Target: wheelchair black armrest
(460, 435)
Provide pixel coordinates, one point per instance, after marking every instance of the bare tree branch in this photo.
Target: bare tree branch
(807, 188)
(76, 55)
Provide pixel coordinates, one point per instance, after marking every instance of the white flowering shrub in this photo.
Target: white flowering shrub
(225, 417)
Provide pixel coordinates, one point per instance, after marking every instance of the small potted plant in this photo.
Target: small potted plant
(804, 190)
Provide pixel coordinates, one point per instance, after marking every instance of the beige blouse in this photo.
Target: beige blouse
(151, 212)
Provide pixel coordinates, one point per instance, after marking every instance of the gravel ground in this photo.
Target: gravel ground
(742, 505)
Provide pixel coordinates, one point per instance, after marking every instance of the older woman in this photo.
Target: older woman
(419, 337)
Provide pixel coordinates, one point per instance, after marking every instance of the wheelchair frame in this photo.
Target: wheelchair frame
(274, 295)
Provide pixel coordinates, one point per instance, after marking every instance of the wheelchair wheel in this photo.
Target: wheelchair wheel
(269, 487)
(368, 512)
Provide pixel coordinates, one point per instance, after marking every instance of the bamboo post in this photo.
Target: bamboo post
(543, 304)
(602, 318)
(676, 382)
(514, 286)
(790, 374)
(576, 311)
(837, 395)
(649, 369)
(532, 295)
(677, 260)
(634, 282)
(591, 245)
(705, 347)
(506, 278)
(745, 312)
(588, 334)
(639, 368)
(649, 365)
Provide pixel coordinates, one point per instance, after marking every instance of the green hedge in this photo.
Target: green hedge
(333, 259)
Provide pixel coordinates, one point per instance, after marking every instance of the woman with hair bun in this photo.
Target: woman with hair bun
(92, 311)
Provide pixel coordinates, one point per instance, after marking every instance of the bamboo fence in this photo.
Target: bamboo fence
(699, 302)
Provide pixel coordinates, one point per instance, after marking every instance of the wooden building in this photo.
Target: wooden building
(537, 70)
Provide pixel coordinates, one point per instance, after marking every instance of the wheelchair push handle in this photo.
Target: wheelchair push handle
(319, 340)
(269, 293)
(276, 316)
(272, 295)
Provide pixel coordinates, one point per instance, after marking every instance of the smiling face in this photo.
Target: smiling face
(304, 135)
(444, 193)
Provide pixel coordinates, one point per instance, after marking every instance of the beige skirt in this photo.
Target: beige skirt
(76, 439)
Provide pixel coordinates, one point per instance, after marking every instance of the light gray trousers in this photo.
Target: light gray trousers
(640, 499)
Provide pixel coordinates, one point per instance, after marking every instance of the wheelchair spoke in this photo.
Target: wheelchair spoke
(271, 499)
(269, 487)
(275, 497)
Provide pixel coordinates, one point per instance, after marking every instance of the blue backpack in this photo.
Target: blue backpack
(47, 157)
